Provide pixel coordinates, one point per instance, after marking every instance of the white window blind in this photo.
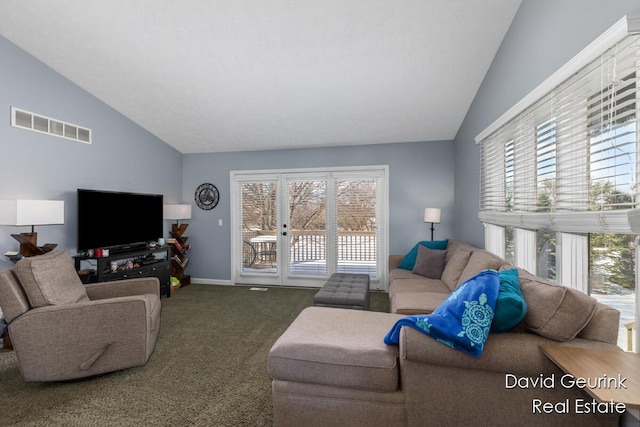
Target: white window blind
(307, 224)
(495, 241)
(525, 250)
(546, 165)
(509, 173)
(569, 160)
(356, 201)
(573, 271)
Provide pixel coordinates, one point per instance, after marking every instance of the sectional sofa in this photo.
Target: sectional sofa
(331, 366)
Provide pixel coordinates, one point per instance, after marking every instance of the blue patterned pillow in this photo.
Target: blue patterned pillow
(463, 320)
(409, 260)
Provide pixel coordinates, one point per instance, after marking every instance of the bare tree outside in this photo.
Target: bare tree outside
(355, 207)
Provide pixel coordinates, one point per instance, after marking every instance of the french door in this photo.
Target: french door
(297, 228)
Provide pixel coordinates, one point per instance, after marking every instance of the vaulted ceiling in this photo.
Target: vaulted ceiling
(232, 75)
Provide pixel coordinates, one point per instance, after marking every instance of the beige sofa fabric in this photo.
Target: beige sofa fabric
(337, 347)
(556, 312)
(439, 385)
(410, 293)
(478, 261)
(12, 298)
(599, 328)
(409, 303)
(69, 335)
(304, 404)
(50, 279)
(454, 267)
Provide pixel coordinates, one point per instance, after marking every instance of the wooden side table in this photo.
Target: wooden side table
(608, 365)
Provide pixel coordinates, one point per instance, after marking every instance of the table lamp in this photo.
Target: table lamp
(432, 215)
(23, 213)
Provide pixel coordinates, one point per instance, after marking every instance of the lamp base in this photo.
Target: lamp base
(29, 244)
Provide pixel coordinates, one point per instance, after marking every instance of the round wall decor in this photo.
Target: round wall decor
(207, 196)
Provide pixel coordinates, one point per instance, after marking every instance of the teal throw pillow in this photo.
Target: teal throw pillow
(409, 260)
(511, 307)
(463, 320)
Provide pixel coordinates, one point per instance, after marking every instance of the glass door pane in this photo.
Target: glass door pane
(356, 203)
(306, 228)
(259, 227)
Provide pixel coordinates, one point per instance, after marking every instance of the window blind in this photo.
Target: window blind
(494, 238)
(307, 224)
(569, 161)
(357, 202)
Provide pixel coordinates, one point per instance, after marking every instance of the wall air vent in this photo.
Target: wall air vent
(37, 123)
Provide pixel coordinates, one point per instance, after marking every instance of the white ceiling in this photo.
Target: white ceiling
(232, 75)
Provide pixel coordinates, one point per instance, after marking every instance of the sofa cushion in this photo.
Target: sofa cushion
(555, 311)
(409, 259)
(478, 261)
(463, 320)
(399, 273)
(429, 262)
(337, 347)
(50, 279)
(409, 303)
(511, 308)
(454, 267)
(421, 284)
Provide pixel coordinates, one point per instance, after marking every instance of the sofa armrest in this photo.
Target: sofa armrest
(515, 353)
(394, 261)
(123, 288)
(600, 327)
(63, 342)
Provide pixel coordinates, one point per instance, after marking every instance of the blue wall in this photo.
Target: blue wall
(420, 176)
(123, 156)
(544, 35)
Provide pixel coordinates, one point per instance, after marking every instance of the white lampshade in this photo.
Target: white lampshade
(177, 212)
(31, 212)
(432, 215)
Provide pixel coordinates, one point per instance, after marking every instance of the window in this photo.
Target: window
(356, 221)
(509, 174)
(546, 254)
(560, 172)
(546, 165)
(509, 245)
(612, 264)
(297, 227)
(613, 145)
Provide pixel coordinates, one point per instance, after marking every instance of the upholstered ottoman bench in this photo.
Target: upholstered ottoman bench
(344, 290)
(332, 367)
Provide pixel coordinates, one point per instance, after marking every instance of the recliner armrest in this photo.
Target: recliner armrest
(122, 288)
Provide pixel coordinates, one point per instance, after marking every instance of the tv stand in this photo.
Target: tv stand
(129, 264)
(116, 250)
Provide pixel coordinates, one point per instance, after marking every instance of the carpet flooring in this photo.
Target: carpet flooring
(209, 367)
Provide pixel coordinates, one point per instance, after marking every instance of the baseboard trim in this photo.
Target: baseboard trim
(199, 281)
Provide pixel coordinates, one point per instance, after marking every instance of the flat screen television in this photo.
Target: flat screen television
(118, 220)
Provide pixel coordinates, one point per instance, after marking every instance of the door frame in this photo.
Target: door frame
(280, 279)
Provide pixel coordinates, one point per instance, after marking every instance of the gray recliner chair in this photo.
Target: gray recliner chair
(61, 329)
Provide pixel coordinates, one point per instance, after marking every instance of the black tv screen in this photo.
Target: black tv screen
(110, 219)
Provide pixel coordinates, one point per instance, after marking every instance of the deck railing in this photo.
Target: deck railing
(312, 245)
